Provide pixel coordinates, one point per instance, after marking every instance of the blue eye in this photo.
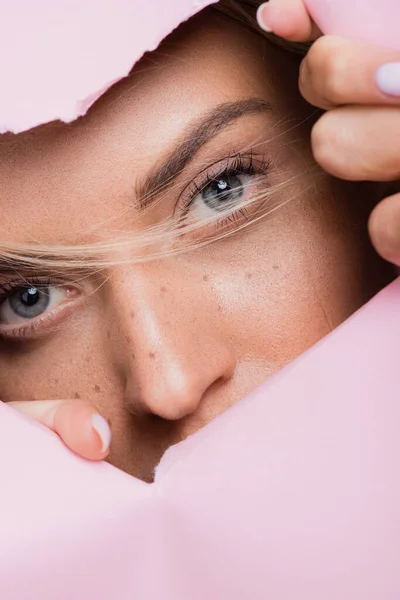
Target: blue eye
(224, 192)
(221, 194)
(27, 302)
(224, 195)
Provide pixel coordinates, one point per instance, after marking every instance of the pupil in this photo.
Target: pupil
(30, 297)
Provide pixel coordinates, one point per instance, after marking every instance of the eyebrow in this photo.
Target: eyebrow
(164, 175)
(194, 138)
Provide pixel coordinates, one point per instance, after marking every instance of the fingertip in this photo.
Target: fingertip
(288, 19)
(384, 229)
(83, 430)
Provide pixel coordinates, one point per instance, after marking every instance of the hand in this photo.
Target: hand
(77, 423)
(359, 87)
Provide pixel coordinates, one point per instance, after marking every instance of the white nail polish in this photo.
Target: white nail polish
(260, 19)
(103, 430)
(388, 78)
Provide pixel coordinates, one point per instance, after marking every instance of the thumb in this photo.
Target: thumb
(77, 422)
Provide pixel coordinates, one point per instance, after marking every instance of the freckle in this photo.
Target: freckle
(133, 356)
(77, 396)
(56, 381)
(219, 308)
(87, 359)
(163, 289)
(205, 277)
(276, 267)
(152, 355)
(128, 339)
(249, 275)
(108, 335)
(97, 388)
(132, 314)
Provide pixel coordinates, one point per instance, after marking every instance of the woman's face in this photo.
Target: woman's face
(163, 347)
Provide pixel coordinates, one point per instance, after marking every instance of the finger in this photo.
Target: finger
(359, 143)
(337, 71)
(384, 228)
(77, 423)
(288, 19)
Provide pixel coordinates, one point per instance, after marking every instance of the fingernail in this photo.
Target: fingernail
(103, 430)
(261, 17)
(388, 78)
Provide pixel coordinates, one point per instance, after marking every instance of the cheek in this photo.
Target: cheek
(72, 363)
(270, 305)
(290, 281)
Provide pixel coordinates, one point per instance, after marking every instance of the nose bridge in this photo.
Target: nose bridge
(154, 302)
(173, 348)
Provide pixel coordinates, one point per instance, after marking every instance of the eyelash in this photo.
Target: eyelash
(237, 164)
(34, 326)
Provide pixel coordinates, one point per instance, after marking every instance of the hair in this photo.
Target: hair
(161, 240)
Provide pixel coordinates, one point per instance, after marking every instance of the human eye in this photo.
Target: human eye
(226, 195)
(29, 308)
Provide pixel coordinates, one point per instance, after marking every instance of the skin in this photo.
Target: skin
(161, 348)
(357, 138)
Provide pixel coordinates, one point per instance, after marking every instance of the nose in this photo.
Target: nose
(175, 349)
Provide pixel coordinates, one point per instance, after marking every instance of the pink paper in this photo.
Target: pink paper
(294, 493)
(372, 21)
(59, 56)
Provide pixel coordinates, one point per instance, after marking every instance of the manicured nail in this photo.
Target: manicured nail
(261, 17)
(103, 430)
(388, 78)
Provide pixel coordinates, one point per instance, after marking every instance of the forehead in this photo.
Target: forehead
(83, 173)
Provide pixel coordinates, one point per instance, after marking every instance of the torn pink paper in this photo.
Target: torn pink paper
(59, 56)
(371, 21)
(294, 493)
